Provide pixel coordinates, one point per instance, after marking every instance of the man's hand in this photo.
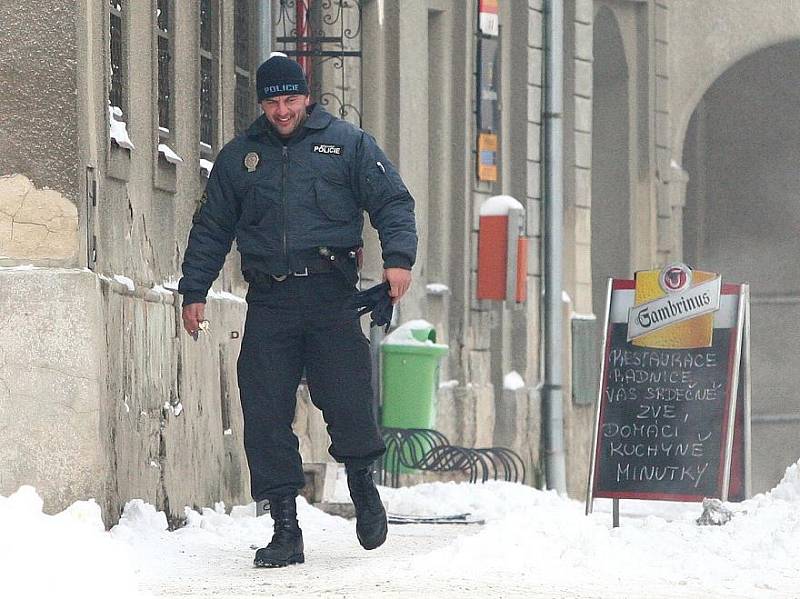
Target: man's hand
(399, 281)
(193, 315)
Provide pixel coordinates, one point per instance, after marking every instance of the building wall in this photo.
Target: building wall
(38, 135)
(159, 403)
(734, 140)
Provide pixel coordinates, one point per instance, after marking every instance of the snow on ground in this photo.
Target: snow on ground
(534, 544)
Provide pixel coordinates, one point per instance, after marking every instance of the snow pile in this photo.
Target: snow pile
(789, 487)
(513, 381)
(213, 547)
(547, 539)
(206, 166)
(226, 296)
(532, 540)
(66, 555)
(409, 333)
(499, 206)
(437, 288)
(169, 154)
(127, 281)
(171, 286)
(117, 129)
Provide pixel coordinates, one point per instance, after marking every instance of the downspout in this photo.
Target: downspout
(552, 400)
(264, 29)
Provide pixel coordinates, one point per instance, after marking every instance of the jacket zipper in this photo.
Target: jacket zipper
(283, 200)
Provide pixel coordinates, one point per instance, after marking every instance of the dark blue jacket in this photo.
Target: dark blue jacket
(279, 199)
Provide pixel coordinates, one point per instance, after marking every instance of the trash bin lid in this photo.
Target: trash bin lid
(414, 336)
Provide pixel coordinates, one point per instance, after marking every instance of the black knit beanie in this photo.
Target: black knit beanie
(280, 76)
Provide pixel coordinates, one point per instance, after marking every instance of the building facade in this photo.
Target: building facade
(677, 116)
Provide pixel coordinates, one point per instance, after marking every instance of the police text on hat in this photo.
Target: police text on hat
(280, 76)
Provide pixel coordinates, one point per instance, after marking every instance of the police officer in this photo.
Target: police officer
(292, 191)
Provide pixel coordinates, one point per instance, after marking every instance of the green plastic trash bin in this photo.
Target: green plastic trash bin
(410, 375)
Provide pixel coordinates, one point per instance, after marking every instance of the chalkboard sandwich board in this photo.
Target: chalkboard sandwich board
(673, 407)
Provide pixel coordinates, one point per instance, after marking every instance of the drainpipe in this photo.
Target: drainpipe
(552, 400)
(264, 29)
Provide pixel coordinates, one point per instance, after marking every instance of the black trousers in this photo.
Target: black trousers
(295, 325)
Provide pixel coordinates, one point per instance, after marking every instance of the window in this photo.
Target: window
(244, 102)
(164, 55)
(208, 76)
(117, 86)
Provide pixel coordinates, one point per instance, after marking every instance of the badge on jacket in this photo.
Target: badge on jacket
(251, 161)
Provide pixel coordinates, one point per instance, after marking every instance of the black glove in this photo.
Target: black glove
(377, 301)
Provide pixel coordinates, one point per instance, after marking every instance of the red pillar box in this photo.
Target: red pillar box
(494, 249)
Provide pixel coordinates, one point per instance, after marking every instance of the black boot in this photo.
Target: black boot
(371, 526)
(286, 546)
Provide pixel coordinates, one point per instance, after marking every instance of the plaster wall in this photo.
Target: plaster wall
(38, 121)
(51, 385)
(101, 395)
(39, 189)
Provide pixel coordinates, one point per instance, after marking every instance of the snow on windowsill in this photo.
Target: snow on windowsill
(169, 154)
(581, 316)
(206, 166)
(118, 129)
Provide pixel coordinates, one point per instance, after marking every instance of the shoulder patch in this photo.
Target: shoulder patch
(327, 149)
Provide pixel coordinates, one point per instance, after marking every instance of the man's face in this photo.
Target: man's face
(285, 113)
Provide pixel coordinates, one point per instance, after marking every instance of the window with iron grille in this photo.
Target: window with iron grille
(118, 84)
(244, 102)
(164, 54)
(208, 75)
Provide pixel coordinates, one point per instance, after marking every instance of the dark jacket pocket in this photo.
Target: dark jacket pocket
(335, 201)
(260, 227)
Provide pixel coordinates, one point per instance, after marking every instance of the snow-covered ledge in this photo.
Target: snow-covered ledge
(169, 154)
(118, 129)
(205, 167)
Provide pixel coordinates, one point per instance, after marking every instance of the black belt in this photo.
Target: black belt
(321, 260)
(316, 266)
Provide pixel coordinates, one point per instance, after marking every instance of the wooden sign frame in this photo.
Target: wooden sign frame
(734, 428)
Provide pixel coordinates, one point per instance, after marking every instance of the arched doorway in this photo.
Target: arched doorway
(610, 215)
(742, 219)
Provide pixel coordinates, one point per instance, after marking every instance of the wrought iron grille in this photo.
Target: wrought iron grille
(164, 35)
(208, 87)
(244, 101)
(116, 92)
(325, 37)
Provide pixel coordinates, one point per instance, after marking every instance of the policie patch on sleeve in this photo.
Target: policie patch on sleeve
(327, 149)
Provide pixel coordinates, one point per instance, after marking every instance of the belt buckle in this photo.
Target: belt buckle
(301, 274)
